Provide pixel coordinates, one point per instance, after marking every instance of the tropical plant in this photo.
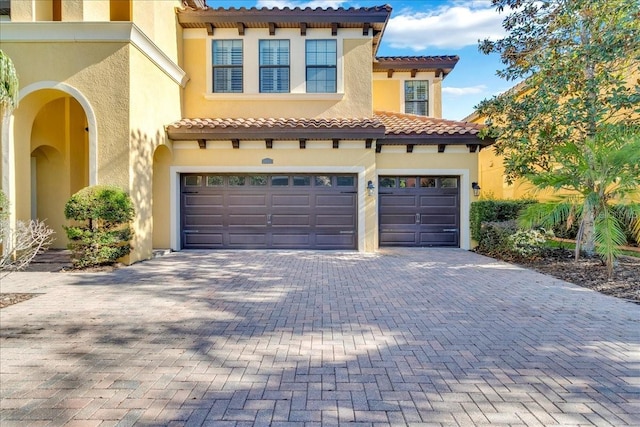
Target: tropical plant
(576, 60)
(603, 174)
(102, 233)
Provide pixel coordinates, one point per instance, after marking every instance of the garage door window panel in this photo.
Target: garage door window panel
(236, 181)
(302, 181)
(280, 181)
(322, 181)
(193, 181)
(346, 181)
(215, 181)
(258, 180)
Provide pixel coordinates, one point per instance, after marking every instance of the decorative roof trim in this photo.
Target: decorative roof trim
(275, 129)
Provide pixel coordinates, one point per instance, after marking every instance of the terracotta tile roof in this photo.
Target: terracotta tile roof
(277, 128)
(386, 127)
(409, 126)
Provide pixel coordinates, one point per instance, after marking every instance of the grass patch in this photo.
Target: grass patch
(562, 244)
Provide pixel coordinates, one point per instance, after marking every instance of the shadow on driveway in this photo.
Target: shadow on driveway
(286, 338)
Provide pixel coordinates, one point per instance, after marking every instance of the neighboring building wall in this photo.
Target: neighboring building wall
(353, 97)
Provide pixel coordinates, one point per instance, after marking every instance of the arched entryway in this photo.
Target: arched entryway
(52, 150)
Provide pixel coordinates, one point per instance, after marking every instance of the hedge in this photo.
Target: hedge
(494, 211)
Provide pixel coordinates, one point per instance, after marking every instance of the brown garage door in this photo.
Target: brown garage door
(419, 211)
(268, 211)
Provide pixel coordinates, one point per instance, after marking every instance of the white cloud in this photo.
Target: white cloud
(302, 4)
(452, 26)
(463, 91)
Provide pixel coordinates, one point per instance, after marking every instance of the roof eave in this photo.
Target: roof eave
(435, 139)
(226, 134)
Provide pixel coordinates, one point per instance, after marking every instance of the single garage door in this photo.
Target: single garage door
(288, 211)
(419, 211)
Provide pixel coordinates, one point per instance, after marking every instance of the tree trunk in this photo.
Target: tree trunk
(588, 232)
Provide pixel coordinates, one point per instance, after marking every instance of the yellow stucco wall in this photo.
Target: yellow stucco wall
(157, 19)
(354, 97)
(388, 92)
(387, 95)
(155, 101)
(130, 96)
(79, 66)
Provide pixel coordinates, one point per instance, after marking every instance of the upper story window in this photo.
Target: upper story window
(227, 66)
(416, 97)
(274, 66)
(321, 59)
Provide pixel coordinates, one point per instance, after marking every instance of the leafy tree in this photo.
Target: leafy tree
(577, 60)
(605, 170)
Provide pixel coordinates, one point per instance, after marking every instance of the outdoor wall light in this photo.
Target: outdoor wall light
(476, 189)
(370, 188)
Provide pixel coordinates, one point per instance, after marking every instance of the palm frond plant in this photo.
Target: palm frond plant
(599, 184)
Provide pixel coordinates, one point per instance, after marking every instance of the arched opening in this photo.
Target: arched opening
(161, 198)
(50, 157)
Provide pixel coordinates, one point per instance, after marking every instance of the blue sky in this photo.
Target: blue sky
(431, 27)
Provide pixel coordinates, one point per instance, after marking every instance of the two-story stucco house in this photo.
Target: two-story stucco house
(235, 128)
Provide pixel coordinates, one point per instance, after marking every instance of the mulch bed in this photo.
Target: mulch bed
(589, 272)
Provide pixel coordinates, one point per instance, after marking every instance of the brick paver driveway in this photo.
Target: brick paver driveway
(407, 336)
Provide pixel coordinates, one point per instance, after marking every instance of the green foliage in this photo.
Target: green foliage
(494, 211)
(576, 59)
(8, 84)
(529, 243)
(571, 124)
(604, 173)
(102, 233)
(4, 209)
(493, 237)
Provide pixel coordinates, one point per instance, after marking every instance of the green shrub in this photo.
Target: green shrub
(528, 243)
(493, 238)
(102, 233)
(494, 211)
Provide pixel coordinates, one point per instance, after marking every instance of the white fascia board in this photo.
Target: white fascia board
(93, 32)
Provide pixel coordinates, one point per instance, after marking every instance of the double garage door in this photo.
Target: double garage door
(311, 211)
(300, 211)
